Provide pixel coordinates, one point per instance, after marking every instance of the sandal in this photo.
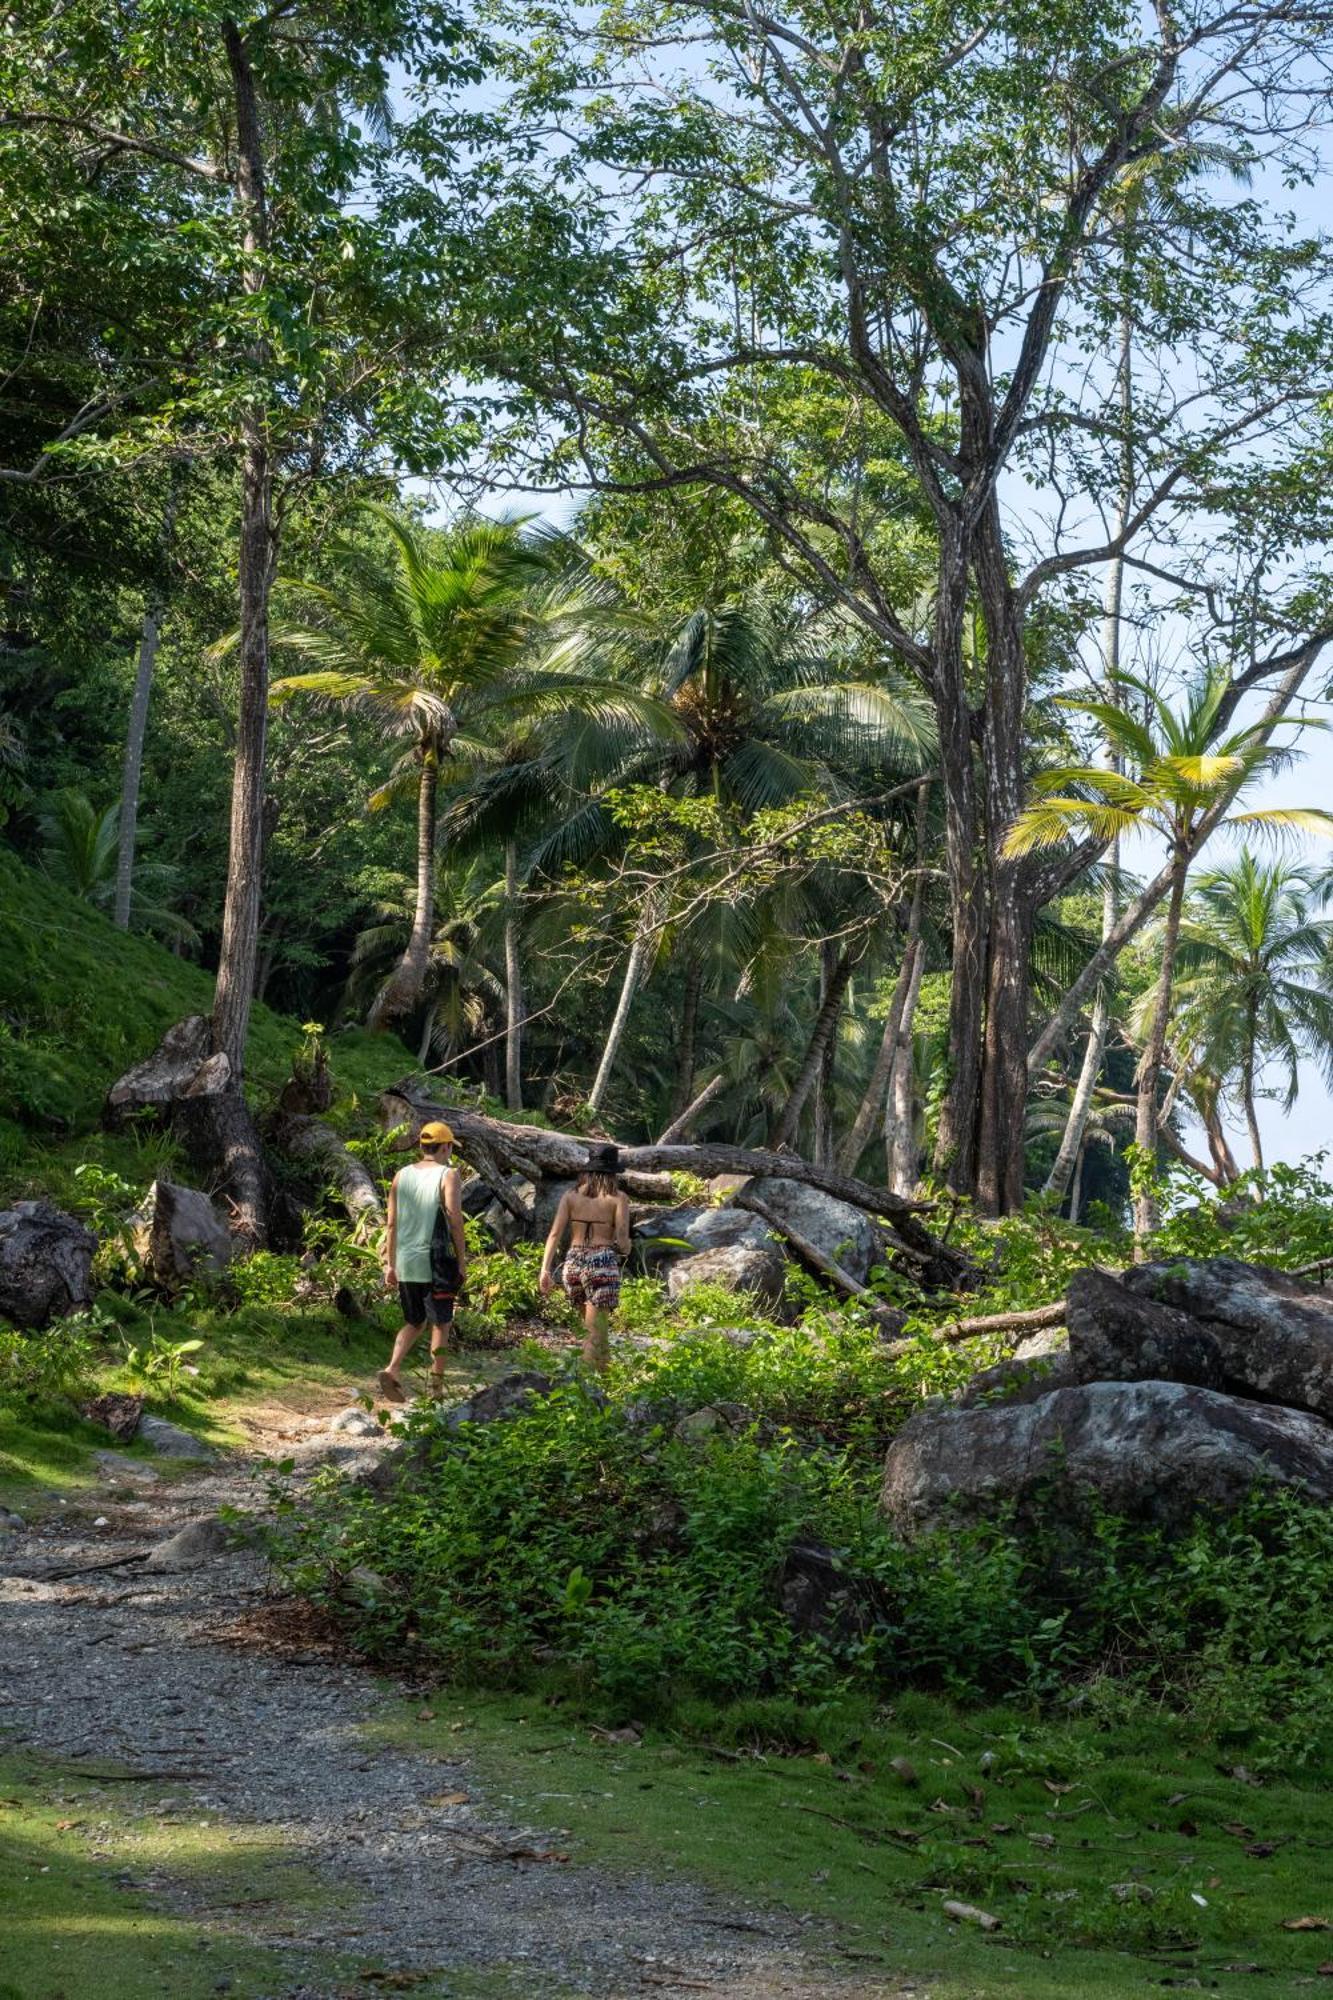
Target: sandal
(390, 1387)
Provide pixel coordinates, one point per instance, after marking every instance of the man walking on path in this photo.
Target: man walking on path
(425, 1255)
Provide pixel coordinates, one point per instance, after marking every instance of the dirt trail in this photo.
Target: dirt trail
(126, 1666)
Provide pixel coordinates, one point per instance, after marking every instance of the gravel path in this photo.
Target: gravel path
(127, 1666)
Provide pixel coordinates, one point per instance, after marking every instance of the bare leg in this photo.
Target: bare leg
(406, 1340)
(440, 1343)
(597, 1339)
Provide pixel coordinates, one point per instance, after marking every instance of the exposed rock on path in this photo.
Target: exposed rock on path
(129, 1662)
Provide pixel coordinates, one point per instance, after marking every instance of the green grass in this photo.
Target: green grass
(1060, 1838)
(80, 1001)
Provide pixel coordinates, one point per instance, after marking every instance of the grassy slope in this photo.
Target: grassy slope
(81, 1001)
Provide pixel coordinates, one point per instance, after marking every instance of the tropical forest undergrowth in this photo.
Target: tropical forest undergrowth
(1113, 1742)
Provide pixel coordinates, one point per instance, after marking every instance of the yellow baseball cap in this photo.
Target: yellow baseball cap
(435, 1134)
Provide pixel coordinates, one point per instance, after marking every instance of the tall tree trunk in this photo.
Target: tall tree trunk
(1000, 1146)
(873, 1103)
(513, 985)
(956, 1139)
(128, 825)
(1247, 1088)
(687, 1041)
(150, 634)
(822, 1153)
(634, 970)
(240, 916)
(900, 1123)
(876, 1091)
(1150, 1064)
(401, 992)
(1219, 1146)
(1076, 1186)
(826, 1024)
(1071, 1143)
(680, 1126)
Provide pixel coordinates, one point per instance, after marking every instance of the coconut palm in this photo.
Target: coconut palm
(455, 641)
(768, 718)
(1176, 765)
(463, 996)
(1251, 992)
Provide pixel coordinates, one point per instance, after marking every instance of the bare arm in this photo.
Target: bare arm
(452, 1202)
(622, 1225)
(391, 1235)
(553, 1241)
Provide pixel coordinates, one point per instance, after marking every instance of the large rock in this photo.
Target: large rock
(178, 1232)
(1018, 1380)
(1154, 1450)
(1274, 1334)
(757, 1268)
(190, 1545)
(845, 1235)
(156, 1083)
(1120, 1335)
(505, 1398)
(171, 1441)
(46, 1263)
(662, 1232)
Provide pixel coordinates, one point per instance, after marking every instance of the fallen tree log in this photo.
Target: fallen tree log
(1026, 1321)
(316, 1144)
(538, 1154)
(826, 1266)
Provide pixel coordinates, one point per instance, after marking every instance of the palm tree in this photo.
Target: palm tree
(464, 636)
(1176, 766)
(766, 720)
(463, 996)
(1251, 987)
(80, 843)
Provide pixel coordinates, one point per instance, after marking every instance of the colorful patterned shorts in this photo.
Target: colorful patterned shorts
(592, 1277)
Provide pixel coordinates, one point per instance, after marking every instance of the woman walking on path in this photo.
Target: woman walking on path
(425, 1255)
(595, 1215)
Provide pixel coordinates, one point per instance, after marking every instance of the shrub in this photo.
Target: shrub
(50, 1366)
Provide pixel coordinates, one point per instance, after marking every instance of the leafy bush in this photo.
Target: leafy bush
(57, 1363)
(589, 1543)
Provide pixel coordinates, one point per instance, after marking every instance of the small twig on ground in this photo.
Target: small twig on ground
(862, 1832)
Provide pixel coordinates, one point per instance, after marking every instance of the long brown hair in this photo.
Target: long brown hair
(593, 1181)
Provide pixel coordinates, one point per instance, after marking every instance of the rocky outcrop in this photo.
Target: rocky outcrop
(46, 1263)
(665, 1235)
(1160, 1451)
(1121, 1335)
(179, 1232)
(758, 1268)
(1182, 1385)
(1274, 1334)
(846, 1236)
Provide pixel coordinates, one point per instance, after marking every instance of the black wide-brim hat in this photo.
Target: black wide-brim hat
(604, 1160)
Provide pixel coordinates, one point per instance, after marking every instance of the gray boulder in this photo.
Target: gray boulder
(757, 1268)
(1121, 1335)
(1274, 1334)
(1018, 1381)
(661, 1232)
(505, 1398)
(171, 1441)
(845, 1235)
(178, 1232)
(46, 1263)
(189, 1546)
(1159, 1451)
(355, 1422)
